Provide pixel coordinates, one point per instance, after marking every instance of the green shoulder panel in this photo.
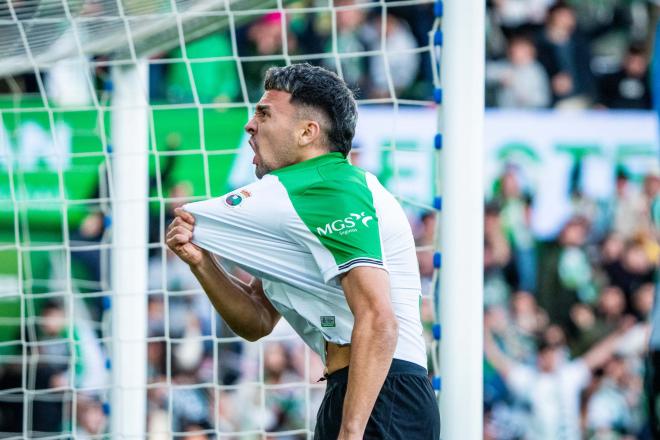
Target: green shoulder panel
(333, 200)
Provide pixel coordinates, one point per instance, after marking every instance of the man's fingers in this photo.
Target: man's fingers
(177, 240)
(179, 231)
(179, 221)
(185, 215)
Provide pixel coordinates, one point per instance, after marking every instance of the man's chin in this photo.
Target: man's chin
(260, 171)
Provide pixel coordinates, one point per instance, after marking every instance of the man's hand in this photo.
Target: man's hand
(179, 236)
(243, 306)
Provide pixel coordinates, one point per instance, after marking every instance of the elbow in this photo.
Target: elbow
(255, 334)
(390, 332)
(251, 337)
(380, 326)
(391, 328)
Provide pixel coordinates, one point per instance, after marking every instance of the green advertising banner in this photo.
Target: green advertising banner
(53, 161)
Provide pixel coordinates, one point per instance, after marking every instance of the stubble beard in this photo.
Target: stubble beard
(281, 157)
(261, 170)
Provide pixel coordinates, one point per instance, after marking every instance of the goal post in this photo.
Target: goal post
(462, 219)
(130, 220)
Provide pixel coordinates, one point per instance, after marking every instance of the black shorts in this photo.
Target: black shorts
(406, 407)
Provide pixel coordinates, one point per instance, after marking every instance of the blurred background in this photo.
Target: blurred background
(571, 211)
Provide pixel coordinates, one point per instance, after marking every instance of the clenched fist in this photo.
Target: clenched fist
(179, 238)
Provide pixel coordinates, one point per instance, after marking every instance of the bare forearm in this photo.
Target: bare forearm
(234, 300)
(372, 346)
(602, 352)
(495, 356)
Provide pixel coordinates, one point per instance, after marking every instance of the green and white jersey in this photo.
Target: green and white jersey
(301, 226)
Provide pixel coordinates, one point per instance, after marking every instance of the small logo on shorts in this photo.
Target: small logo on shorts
(327, 321)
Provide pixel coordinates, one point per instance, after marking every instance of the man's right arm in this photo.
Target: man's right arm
(244, 307)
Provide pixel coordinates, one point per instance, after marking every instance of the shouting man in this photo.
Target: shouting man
(330, 250)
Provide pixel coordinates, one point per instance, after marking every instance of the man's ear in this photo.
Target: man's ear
(309, 132)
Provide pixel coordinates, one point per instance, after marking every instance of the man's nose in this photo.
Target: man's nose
(251, 127)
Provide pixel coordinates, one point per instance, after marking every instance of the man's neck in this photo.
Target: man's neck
(311, 153)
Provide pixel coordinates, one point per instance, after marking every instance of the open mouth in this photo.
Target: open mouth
(253, 144)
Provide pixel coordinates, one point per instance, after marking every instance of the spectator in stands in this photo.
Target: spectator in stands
(520, 80)
(611, 308)
(195, 432)
(190, 405)
(565, 55)
(514, 343)
(515, 15)
(516, 223)
(91, 419)
(643, 301)
(585, 329)
(552, 388)
(214, 81)
(529, 321)
(528, 318)
(632, 271)
(574, 267)
(424, 242)
(263, 37)
(628, 87)
(351, 38)
(283, 403)
(611, 409)
(89, 237)
(497, 257)
(567, 277)
(649, 233)
(651, 186)
(402, 67)
(52, 368)
(628, 207)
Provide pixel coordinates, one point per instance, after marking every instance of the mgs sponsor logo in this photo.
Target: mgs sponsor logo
(346, 225)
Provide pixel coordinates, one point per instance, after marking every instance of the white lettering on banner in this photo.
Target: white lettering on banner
(543, 146)
(594, 143)
(36, 146)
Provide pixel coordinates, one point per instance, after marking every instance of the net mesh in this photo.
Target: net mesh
(206, 61)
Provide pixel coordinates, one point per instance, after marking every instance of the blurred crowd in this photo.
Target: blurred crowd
(567, 321)
(569, 54)
(378, 55)
(539, 54)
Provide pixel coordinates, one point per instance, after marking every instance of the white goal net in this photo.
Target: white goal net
(113, 113)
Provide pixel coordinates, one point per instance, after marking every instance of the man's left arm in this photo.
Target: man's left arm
(373, 342)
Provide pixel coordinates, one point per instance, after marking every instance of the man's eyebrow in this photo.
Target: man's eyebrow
(262, 107)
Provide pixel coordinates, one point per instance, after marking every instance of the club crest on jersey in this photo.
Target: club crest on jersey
(236, 199)
(346, 225)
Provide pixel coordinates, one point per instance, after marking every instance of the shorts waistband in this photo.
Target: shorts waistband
(398, 366)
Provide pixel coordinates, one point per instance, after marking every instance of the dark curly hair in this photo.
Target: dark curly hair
(320, 89)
